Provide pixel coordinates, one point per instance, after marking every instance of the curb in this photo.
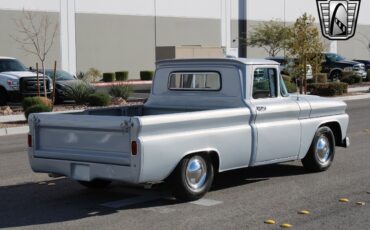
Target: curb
(353, 98)
(9, 118)
(14, 130)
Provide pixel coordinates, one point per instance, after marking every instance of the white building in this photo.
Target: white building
(114, 35)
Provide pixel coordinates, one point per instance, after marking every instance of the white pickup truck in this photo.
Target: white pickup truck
(203, 116)
(16, 82)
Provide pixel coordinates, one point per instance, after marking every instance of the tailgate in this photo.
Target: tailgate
(82, 138)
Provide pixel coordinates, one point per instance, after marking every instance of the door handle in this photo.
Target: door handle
(261, 108)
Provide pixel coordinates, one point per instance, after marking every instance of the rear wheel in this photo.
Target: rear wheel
(321, 153)
(193, 177)
(3, 97)
(96, 183)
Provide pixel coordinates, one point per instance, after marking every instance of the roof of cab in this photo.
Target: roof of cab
(245, 61)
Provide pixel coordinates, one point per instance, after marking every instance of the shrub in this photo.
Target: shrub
(123, 91)
(290, 86)
(368, 75)
(353, 79)
(79, 91)
(99, 99)
(122, 76)
(321, 78)
(146, 75)
(328, 89)
(81, 75)
(348, 74)
(286, 78)
(31, 101)
(92, 75)
(39, 108)
(109, 77)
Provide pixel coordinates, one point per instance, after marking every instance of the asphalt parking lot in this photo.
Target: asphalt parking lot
(241, 199)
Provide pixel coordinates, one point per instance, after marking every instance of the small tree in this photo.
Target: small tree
(271, 36)
(305, 44)
(36, 36)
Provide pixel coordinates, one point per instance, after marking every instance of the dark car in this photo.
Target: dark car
(62, 80)
(335, 65)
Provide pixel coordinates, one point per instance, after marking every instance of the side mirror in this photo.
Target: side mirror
(30, 68)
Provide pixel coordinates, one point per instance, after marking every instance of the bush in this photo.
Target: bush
(122, 76)
(92, 75)
(328, 89)
(79, 91)
(39, 108)
(99, 99)
(368, 76)
(290, 86)
(31, 101)
(123, 91)
(321, 78)
(146, 75)
(353, 79)
(286, 78)
(109, 77)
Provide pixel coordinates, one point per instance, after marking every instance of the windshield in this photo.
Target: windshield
(11, 65)
(334, 57)
(60, 75)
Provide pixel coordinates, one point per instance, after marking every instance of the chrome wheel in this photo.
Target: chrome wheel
(196, 173)
(323, 149)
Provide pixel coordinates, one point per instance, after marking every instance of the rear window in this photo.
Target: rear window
(207, 81)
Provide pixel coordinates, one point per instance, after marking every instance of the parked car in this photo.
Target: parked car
(203, 116)
(62, 81)
(287, 64)
(335, 65)
(16, 82)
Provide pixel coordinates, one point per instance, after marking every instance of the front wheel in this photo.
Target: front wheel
(336, 75)
(193, 177)
(321, 153)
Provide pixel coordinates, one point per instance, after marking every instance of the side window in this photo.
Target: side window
(265, 83)
(206, 81)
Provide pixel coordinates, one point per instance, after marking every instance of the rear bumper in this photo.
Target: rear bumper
(85, 171)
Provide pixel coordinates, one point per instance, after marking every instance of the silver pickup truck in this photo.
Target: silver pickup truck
(203, 116)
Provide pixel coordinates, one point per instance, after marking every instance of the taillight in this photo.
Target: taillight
(133, 147)
(29, 140)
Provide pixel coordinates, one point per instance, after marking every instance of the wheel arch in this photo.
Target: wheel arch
(336, 129)
(335, 69)
(212, 153)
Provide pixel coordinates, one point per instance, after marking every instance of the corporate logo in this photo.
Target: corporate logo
(338, 18)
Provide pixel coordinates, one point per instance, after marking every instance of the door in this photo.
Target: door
(277, 117)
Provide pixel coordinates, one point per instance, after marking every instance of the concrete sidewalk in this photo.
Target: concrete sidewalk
(359, 89)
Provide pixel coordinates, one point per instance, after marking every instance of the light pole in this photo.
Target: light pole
(242, 28)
